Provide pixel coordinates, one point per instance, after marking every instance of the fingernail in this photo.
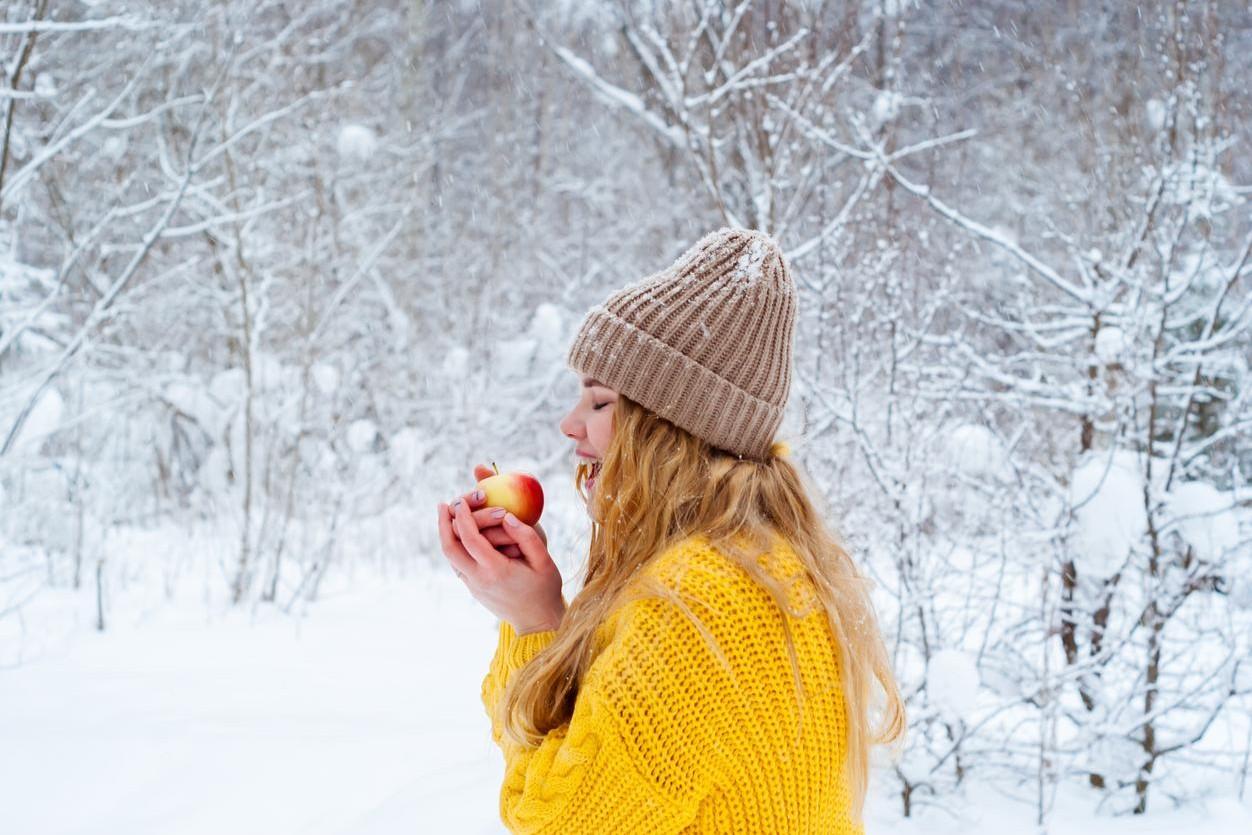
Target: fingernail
(478, 495)
(498, 512)
(456, 502)
(511, 521)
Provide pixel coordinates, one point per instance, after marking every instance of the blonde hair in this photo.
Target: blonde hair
(659, 484)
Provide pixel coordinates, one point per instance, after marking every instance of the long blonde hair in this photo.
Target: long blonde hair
(659, 484)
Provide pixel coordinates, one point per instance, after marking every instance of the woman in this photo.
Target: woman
(715, 672)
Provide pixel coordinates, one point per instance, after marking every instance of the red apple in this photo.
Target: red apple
(518, 493)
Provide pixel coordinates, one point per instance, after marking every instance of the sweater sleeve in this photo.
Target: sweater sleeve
(638, 752)
(513, 652)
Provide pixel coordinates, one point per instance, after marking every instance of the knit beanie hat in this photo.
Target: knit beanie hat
(705, 343)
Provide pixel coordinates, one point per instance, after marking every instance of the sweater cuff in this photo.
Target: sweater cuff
(518, 650)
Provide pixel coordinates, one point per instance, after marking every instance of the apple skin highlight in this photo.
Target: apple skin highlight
(519, 493)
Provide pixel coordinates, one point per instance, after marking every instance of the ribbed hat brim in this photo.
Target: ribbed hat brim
(683, 392)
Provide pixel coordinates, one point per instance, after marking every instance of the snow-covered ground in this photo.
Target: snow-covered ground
(361, 716)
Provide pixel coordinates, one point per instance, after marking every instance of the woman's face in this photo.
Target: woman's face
(590, 424)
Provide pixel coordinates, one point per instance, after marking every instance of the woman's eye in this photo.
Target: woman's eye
(598, 406)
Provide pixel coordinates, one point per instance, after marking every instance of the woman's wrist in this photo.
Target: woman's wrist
(530, 631)
(547, 625)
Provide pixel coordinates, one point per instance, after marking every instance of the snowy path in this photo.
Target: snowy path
(362, 718)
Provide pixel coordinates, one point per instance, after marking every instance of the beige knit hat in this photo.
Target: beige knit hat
(705, 343)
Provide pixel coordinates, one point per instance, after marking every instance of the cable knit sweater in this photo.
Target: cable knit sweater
(664, 738)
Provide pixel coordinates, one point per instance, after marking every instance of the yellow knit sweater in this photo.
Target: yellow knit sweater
(664, 738)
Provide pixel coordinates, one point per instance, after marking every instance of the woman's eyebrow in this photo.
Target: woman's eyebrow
(588, 383)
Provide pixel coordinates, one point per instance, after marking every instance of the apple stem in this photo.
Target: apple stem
(494, 467)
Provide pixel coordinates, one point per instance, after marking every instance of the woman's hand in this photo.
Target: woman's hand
(524, 590)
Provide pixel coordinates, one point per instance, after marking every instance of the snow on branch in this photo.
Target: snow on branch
(617, 97)
(26, 27)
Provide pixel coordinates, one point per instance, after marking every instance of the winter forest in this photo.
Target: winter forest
(275, 276)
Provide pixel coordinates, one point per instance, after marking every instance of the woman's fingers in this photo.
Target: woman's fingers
(473, 499)
(489, 520)
(479, 548)
(498, 536)
(489, 517)
(495, 534)
(534, 550)
(461, 560)
(490, 523)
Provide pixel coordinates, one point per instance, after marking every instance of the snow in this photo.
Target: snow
(356, 142)
(325, 377)
(1203, 188)
(229, 385)
(1240, 575)
(1206, 518)
(1154, 112)
(212, 474)
(406, 449)
(358, 716)
(1005, 233)
(361, 719)
(974, 450)
(952, 684)
(269, 373)
(547, 326)
(115, 146)
(456, 362)
(893, 8)
(361, 435)
(44, 419)
(45, 85)
(1110, 752)
(1106, 493)
(749, 268)
(962, 558)
(1110, 343)
(515, 357)
(886, 106)
(939, 392)
(192, 398)
(618, 97)
(608, 45)
(23, 289)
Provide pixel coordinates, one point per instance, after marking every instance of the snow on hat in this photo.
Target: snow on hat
(705, 343)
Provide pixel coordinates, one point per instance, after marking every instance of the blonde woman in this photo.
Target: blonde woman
(721, 669)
